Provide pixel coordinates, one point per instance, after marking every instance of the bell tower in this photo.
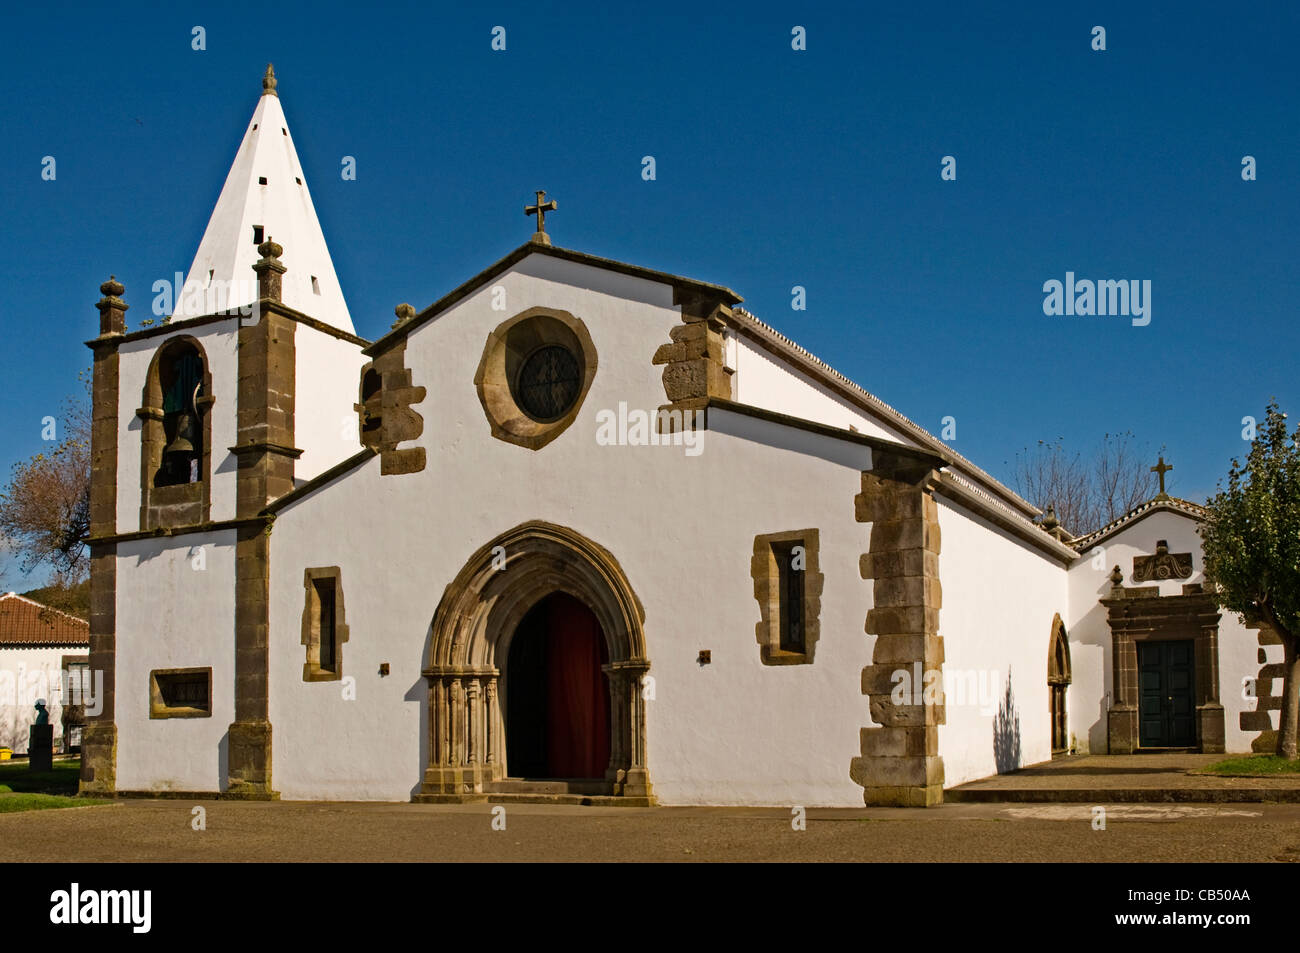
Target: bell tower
(200, 421)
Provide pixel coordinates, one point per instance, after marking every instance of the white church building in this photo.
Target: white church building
(580, 529)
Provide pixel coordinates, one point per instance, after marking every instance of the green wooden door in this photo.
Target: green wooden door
(1166, 684)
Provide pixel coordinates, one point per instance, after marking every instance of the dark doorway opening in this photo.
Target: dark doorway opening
(1166, 683)
(557, 698)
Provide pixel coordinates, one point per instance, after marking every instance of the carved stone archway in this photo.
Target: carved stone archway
(470, 636)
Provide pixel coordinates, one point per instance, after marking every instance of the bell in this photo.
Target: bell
(182, 445)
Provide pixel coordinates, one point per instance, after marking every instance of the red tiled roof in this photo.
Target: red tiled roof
(24, 622)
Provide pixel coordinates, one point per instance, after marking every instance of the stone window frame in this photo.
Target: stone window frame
(181, 504)
(159, 709)
(311, 668)
(766, 577)
(504, 352)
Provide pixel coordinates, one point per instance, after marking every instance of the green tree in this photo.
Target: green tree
(1252, 550)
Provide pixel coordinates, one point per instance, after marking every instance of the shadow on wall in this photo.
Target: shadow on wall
(1006, 732)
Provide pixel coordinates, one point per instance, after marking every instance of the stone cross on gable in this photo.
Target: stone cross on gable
(540, 210)
(1161, 469)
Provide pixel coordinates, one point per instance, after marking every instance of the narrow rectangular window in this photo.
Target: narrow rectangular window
(325, 623)
(788, 588)
(257, 234)
(315, 285)
(790, 576)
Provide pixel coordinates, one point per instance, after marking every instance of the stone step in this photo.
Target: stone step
(549, 786)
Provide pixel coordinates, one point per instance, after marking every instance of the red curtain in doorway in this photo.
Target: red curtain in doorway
(578, 713)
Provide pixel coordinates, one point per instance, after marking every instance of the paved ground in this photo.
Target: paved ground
(141, 830)
(1126, 778)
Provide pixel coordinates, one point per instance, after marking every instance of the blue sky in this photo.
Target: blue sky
(775, 168)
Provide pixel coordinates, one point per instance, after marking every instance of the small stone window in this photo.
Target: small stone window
(323, 628)
(788, 588)
(180, 693)
(257, 234)
(790, 568)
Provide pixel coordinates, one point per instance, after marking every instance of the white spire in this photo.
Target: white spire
(249, 211)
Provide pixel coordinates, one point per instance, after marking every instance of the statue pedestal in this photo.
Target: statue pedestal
(40, 748)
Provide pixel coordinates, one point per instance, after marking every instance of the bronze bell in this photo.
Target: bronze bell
(183, 444)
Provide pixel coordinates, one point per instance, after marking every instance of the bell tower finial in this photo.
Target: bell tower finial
(268, 81)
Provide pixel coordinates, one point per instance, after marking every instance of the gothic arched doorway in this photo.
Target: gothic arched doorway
(557, 697)
(1058, 681)
(484, 611)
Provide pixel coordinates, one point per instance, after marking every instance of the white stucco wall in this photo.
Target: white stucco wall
(219, 340)
(999, 597)
(28, 673)
(763, 381)
(682, 528)
(172, 614)
(1090, 645)
(327, 378)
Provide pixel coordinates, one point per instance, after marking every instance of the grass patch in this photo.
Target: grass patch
(63, 779)
(10, 803)
(1255, 765)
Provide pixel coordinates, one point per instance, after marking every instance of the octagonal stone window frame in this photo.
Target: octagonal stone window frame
(508, 345)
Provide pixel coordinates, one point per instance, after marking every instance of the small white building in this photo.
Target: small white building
(581, 527)
(43, 654)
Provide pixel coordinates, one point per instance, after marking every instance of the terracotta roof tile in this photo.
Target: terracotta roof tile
(24, 622)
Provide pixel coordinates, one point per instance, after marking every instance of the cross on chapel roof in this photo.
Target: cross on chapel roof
(540, 210)
(1162, 468)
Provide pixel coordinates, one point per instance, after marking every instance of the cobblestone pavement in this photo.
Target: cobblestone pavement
(161, 830)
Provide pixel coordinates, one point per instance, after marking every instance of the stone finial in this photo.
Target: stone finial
(268, 81)
(404, 312)
(1050, 522)
(1117, 578)
(112, 309)
(269, 269)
